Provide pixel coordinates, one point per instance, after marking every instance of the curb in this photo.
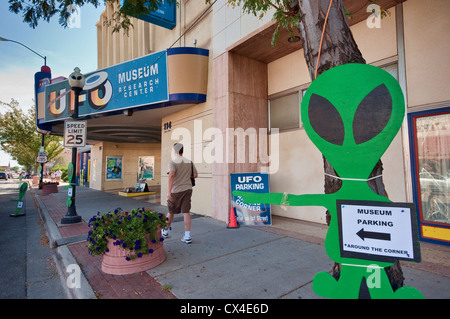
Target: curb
(63, 256)
(64, 259)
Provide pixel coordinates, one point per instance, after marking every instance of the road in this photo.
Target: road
(27, 263)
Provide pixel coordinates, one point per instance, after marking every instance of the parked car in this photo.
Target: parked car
(3, 176)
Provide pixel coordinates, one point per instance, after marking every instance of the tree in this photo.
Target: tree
(327, 42)
(19, 138)
(45, 10)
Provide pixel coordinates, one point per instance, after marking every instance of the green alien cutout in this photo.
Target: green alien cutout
(351, 113)
(22, 190)
(70, 186)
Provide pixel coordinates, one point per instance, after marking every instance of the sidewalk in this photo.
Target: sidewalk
(270, 262)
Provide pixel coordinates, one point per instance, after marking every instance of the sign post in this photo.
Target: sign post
(74, 136)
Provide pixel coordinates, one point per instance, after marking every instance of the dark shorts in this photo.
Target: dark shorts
(181, 202)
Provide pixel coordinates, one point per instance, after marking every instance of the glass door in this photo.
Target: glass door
(430, 163)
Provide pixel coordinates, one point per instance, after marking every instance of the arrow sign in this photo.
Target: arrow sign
(373, 235)
(395, 236)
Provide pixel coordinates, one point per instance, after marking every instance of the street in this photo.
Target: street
(28, 267)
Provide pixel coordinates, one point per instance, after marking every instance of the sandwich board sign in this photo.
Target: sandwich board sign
(250, 214)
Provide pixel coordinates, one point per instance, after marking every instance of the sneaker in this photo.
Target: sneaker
(186, 240)
(165, 233)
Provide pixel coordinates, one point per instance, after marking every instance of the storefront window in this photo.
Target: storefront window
(430, 165)
(433, 163)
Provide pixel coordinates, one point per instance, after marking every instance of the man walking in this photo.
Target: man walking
(180, 191)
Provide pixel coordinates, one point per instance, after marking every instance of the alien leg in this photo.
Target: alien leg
(347, 287)
(380, 287)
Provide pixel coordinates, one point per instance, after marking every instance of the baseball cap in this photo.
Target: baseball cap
(177, 147)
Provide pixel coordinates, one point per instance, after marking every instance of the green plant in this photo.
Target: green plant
(167, 287)
(128, 229)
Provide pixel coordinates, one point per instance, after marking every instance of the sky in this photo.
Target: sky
(65, 49)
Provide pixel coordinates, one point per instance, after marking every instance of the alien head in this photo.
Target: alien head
(76, 79)
(352, 113)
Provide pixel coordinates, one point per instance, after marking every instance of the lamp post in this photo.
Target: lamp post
(45, 68)
(45, 58)
(76, 82)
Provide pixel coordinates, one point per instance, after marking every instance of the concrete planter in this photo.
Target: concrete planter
(114, 261)
(49, 188)
(35, 180)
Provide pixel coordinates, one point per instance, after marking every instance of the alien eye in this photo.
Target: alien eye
(326, 120)
(372, 114)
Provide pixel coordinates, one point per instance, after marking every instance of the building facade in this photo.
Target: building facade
(250, 119)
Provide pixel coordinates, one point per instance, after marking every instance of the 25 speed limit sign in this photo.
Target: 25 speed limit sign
(75, 133)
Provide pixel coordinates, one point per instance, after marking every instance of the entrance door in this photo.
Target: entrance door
(430, 161)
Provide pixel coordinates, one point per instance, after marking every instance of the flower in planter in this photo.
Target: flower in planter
(128, 229)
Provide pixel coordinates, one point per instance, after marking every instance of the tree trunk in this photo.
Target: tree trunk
(338, 47)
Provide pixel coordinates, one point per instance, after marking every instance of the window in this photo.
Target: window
(392, 69)
(430, 135)
(284, 111)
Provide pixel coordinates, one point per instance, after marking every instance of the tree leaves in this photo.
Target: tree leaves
(36, 10)
(19, 138)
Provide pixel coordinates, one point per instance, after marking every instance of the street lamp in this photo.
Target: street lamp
(45, 58)
(76, 82)
(46, 69)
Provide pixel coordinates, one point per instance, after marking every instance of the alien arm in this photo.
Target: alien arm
(285, 199)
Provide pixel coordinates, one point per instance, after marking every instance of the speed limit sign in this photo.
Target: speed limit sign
(75, 133)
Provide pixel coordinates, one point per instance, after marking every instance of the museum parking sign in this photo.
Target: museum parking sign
(381, 231)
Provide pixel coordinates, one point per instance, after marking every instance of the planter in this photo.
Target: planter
(114, 261)
(49, 188)
(35, 180)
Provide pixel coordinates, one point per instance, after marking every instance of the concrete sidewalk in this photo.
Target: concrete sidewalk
(269, 262)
